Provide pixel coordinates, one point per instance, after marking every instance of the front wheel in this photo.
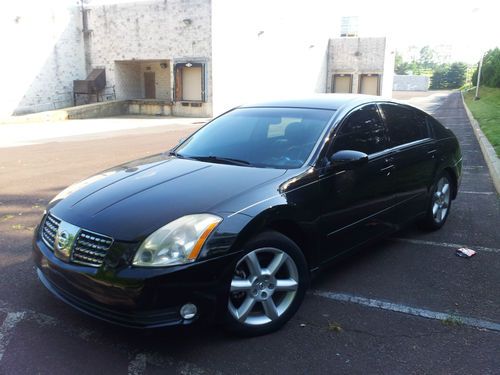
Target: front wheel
(440, 203)
(267, 286)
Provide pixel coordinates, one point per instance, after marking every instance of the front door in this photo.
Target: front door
(149, 85)
(355, 201)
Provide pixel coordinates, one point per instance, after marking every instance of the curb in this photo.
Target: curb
(487, 149)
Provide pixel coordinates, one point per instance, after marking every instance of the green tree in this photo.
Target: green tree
(427, 58)
(446, 76)
(490, 73)
(400, 66)
(439, 78)
(456, 75)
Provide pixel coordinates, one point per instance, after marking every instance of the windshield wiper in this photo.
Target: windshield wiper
(218, 159)
(176, 154)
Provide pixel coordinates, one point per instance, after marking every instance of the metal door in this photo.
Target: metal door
(369, 84)
(149, 85)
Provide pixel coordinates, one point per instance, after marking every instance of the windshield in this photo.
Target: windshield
(260, 137)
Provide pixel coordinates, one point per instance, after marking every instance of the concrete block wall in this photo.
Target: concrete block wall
(151, 30)
(358, 56)
(44, 54)
(127, 80)
(411, 83)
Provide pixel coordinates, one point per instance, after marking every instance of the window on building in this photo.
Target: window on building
(189, 82)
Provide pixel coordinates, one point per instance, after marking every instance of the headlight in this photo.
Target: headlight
(178, 242)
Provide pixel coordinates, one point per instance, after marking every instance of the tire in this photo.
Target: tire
(267, 287)
(439, 205)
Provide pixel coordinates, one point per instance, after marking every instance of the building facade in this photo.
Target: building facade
(360, 66)
(194, 57)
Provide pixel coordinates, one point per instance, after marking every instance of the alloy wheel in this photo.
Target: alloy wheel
(263, 287)
(441, 200)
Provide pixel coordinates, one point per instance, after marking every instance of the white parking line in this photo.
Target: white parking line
(444, 244)
(7, 330)
(137, 366)
(396, 307)
(475, 173)
(476, 192)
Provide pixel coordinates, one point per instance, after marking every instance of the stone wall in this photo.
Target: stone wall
(128, 38)
(411, 83)
(358, 56)
(44, 45)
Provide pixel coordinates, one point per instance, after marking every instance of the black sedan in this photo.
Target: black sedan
(231, 224)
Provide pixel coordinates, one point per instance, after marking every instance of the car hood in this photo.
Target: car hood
(130, 201)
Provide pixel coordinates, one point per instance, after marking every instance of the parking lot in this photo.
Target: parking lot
(406, 305)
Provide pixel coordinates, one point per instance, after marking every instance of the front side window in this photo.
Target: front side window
(362, 131)
(404, 124)
(262, 137)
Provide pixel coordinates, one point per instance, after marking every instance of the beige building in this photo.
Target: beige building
(360, 66)
(183, 57)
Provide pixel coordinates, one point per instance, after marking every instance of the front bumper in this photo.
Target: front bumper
(134, 296)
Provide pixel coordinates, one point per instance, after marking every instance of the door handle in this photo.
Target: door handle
(432, 153)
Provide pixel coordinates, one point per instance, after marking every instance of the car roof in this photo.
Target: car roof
(320, 101)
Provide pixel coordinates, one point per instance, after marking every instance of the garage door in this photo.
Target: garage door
(191, 83)
(342, 83)
(369, 84)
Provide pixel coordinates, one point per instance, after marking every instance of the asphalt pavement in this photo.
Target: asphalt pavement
(405, 305)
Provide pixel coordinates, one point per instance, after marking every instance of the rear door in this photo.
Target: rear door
(355, 201)
(414, 153)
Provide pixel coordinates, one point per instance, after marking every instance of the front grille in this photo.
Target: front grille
(90, 248)
(49, 230)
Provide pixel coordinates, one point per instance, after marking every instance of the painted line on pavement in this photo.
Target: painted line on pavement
(137, 366)
(7, 330)
(444, 244)
(477, 192)
(473, 166)
(396, 307)
(475, 173)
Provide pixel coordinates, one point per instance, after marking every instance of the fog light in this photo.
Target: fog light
(188, 311)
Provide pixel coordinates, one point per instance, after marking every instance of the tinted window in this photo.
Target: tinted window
(264, 137)
(362, 131)
(439, 130)
(404, 124)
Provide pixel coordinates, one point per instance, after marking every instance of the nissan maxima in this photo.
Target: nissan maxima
(231, 224)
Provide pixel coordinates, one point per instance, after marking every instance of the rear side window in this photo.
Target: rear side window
(439, 130)
(404, 124)
(362, 131)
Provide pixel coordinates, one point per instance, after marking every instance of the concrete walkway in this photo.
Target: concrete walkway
(13, 135)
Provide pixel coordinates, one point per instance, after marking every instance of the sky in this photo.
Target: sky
(469, 27)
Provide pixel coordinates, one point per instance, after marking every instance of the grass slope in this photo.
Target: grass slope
(487, 112)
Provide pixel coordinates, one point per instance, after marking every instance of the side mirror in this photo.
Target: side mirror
(348, 159)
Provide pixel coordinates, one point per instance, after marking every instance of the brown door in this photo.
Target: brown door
(149, 85)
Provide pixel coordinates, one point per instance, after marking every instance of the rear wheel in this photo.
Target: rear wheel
(267, 286)
(439, 204)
